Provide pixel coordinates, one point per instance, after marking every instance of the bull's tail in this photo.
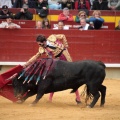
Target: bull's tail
(87, 94)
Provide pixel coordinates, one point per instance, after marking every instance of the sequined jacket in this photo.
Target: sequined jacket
(59, 41)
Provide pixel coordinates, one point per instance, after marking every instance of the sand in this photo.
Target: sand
(64, 107)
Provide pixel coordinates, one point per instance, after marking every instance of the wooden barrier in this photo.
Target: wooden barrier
(74, 25)
(19, 45)
(108, 26)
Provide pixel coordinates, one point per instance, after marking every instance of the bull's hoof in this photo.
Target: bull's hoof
(88, 106)
(19, 101)
(102, 105)
(77, 101)
(32, 105)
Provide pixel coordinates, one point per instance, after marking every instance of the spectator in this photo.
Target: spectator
(5, 2)
(91, 24)
(31, 3)
(54, 4)
(70, 4)
(100, 5)
(91, 3)
(42, 8)
(24, 13)
(118, 27)
(114, 4)
(81, 15)
(66, 16)
(82, 4)
(61, 26)
(4, 13)
(17, 3)
(84, 25)
(46, 24)
(26, 2)
(96, 19)
(9, 24)
(39, 25)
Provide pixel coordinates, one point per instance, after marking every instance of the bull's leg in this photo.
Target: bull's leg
(29, 94)
(102, 89)
(94, 91)
(42, 87)
(95, 99)
(38, 97)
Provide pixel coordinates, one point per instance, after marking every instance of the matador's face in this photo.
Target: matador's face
(43, 44)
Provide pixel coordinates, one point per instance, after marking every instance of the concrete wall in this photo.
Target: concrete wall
(111, 72)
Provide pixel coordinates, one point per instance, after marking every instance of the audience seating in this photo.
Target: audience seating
(15, 10)
(74, 25)
(24, 23)
(108, 15)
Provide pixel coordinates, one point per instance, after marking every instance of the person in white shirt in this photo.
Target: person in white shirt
(61, 26)
(9, 24)
(84, 25)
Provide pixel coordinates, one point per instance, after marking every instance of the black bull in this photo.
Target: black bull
(65, 75)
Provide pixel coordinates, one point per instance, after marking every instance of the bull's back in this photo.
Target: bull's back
(80, 69)
(68, 75)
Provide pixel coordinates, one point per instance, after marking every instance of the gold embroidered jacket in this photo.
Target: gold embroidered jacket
(53, 40)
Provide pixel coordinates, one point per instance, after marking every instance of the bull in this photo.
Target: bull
(64, 75)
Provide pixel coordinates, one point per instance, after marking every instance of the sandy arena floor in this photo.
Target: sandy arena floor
(64, 107)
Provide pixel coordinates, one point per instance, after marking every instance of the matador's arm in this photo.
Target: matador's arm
(35, 57)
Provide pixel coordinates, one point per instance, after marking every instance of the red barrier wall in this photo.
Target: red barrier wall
(19, 45)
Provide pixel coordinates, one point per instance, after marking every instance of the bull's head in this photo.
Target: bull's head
(19, 88)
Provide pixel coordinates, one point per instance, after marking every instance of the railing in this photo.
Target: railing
(19, 45)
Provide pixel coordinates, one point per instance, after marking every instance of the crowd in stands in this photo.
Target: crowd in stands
(42, 9)
(24, 13)
(60, 26)
(44, 24)
(60, 4)
(9, 24)
(81, 15)
(65, 15)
